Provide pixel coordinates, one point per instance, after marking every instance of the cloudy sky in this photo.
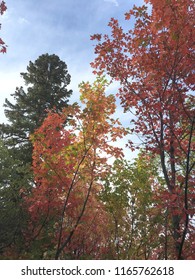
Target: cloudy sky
(63, 27)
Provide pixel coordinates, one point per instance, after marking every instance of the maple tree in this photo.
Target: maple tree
(137, 225)
(154, 63)
(3, 8)
(66, 217)
(77, 205)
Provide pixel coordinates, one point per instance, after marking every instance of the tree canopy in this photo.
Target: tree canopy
(66, 189)
(154, 64)
(46, 80)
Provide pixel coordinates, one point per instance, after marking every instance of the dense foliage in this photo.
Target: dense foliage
(154, 63)
(46, 80)
(77, 197)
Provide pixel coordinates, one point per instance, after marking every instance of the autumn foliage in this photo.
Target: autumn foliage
(65, 212)
(154, 64)
(86, 200)
(3, 8)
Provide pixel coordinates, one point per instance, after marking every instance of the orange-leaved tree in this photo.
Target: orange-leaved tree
(67, 220)
(154, 62)
(3, 8)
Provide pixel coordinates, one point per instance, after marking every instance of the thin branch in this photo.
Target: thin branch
(60, 248)
(67, 198)
(186, 192)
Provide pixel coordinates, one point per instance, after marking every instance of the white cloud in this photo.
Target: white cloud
(22, 21)
(30, 29)
(115, 2)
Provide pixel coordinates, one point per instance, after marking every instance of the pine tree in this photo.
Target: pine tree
(46, 82)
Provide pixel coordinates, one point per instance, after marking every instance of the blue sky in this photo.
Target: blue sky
(31, 28)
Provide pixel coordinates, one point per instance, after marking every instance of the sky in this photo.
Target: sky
(63, 27)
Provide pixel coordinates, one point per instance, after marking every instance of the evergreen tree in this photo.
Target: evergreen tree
(46, 83)
(46, 80)
(15, 182)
